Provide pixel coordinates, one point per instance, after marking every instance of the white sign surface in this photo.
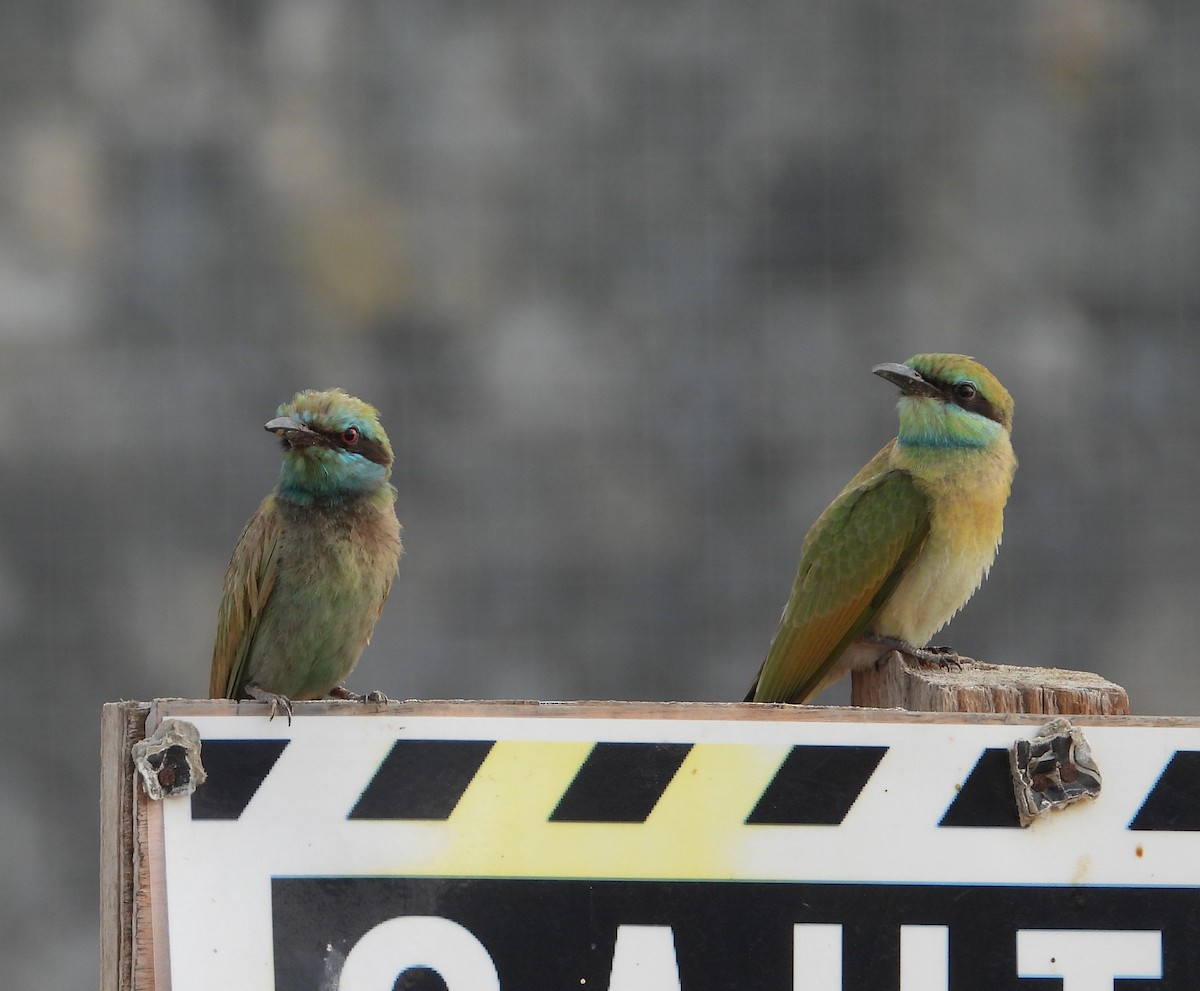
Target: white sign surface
(645, 854)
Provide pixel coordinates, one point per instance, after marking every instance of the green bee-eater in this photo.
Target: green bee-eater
(908, 540)
(313, 566)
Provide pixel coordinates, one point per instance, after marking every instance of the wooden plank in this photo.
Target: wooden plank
(121, 724)
(977, 687)
(154, 958)
(143, 903)
(770, 712)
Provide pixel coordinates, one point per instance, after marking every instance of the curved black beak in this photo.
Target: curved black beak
(295, 433)
(909, 382)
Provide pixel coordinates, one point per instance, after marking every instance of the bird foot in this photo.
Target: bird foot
(341, 692)
(946, 657)
(276, 701)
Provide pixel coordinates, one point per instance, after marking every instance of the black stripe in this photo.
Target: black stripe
(372, 450)
(368, 447)
(1173, 804)
(620, 782)
(421, 779)
(986, 797)
(236, 769)
(815, 786)
(978, 403)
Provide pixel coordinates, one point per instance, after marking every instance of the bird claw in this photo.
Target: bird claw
(276, 701)
(945, 657)
(341, 692)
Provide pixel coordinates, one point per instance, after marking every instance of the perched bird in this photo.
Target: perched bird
(908, 540)
(313, 566)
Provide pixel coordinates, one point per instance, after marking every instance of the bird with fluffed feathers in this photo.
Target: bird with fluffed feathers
(313, 567)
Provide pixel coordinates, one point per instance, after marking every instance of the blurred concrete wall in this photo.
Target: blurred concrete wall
(615, 273)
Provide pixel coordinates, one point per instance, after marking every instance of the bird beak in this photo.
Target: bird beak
(294, 432)
(906, 379)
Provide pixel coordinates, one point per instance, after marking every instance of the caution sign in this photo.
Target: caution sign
(527, 852)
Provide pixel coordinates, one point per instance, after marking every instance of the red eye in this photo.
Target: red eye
(350, 436)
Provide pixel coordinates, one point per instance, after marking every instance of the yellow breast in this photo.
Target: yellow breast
(968, 490)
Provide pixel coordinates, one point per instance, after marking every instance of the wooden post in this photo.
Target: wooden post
(899, 682)
(125, 964)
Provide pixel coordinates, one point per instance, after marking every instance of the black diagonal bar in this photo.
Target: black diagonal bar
(620, 782)
(236, 769)
(421, 779)
(986, 796)
(815, 786)
(1173, 804)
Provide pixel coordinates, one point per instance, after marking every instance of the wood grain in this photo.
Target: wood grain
(976, 687)
(754, 711)
(121, 724)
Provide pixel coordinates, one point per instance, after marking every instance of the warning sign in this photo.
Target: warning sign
(529, 852)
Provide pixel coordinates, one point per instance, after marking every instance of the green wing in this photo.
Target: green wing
(853, 557)
(249, 580)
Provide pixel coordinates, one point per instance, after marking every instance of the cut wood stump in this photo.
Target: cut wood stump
(976, 686)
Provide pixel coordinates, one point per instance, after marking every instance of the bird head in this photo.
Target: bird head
(334, 447)
(948, 400)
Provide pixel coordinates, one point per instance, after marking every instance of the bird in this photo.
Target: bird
(314, 565)
(908, 540)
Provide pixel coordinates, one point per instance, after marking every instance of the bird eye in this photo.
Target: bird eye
(965, 392)
(350, 436)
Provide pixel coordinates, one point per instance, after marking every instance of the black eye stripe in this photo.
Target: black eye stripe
(975, 404)
(372, 451)
(369, 449)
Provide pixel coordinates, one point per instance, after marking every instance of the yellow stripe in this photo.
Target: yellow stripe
(501, 826)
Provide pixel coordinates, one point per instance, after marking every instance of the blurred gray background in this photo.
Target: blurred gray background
(614, 273)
